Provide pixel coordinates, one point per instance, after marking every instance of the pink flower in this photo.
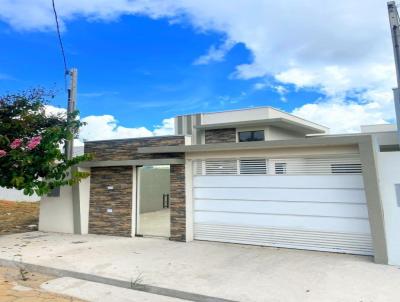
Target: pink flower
(34, 142)
(16, 143)
(2, 153)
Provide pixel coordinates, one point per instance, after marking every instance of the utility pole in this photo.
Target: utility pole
(69, 148)
(73, 73)
(394, 22)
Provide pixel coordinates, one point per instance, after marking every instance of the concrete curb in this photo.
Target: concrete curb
(114, 282)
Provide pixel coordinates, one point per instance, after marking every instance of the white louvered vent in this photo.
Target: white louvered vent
(346, 168)
(198, 167)
(315, 166)
(279, 166)
(253, 166)
(221, 167)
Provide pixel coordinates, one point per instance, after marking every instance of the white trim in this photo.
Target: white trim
(137, 204)
(189, 201)
(134, 188)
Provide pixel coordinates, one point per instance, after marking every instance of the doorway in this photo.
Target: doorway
(153, 213)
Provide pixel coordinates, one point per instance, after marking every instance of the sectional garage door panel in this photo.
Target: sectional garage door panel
(282, 194)
(326, 224)
(360, 244)
(313, 209)
(317, 212)
(283, 181)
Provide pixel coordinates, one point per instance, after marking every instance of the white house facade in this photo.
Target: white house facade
(254, 176)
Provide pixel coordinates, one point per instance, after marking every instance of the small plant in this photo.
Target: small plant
(23, 274)
(137, 281)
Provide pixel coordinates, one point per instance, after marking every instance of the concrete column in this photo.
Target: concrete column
(368, 154)
(189, 200)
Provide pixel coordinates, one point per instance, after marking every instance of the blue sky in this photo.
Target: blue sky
(136, 69)
(141, 69)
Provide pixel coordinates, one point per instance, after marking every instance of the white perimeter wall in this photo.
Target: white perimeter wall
(56, 212)
(389, 172)
(16, 195)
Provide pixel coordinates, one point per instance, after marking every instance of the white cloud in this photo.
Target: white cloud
(102, 127)
(107, 127)
(167, 127)
(52, 110)
(215, 53)
(342, 49)
(260, 85)
(341, 117)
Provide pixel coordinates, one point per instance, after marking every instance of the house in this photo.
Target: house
(255, 176)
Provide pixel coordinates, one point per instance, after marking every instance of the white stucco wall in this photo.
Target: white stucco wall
(235, 116)
(189, 200)
(389, 175)
(16, 195)
(253, 114)
(277, 153)
(56, 213)
(275, 133)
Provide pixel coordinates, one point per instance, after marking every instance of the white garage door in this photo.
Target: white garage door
(306, 203)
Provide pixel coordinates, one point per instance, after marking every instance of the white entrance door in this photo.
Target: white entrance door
(315, 204)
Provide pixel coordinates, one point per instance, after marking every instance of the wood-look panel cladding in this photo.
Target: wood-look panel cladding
(110, 211)
(216, 136)
(126, 149)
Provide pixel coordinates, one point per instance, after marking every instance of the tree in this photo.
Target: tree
(31, 140)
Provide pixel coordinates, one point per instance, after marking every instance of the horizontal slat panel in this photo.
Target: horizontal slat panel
(321, 241)
(348, 165)
(253, 166)
(274, 236)
(325, 224)
(276, 207)
(284, 181)
(288, 194)
(218, 167)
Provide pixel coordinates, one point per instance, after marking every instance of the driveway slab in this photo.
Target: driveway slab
(236, 272)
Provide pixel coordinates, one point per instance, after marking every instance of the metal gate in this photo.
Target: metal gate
(305, 203)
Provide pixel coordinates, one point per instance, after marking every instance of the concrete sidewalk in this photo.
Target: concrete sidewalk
(236, 272)
(97, 292)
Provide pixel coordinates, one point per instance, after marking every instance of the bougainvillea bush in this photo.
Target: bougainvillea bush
(31, 140)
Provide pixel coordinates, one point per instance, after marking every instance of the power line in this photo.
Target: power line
(61, 44)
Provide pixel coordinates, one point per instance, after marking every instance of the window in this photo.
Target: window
(389, 148)
(253, 166)
(251, 136)
(280, 168)
(346, 168)
(54, 193)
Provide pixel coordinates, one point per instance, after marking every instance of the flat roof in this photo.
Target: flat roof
(277, 122)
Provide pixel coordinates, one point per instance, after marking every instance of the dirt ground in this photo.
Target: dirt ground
(20, 286)
(18, 217)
